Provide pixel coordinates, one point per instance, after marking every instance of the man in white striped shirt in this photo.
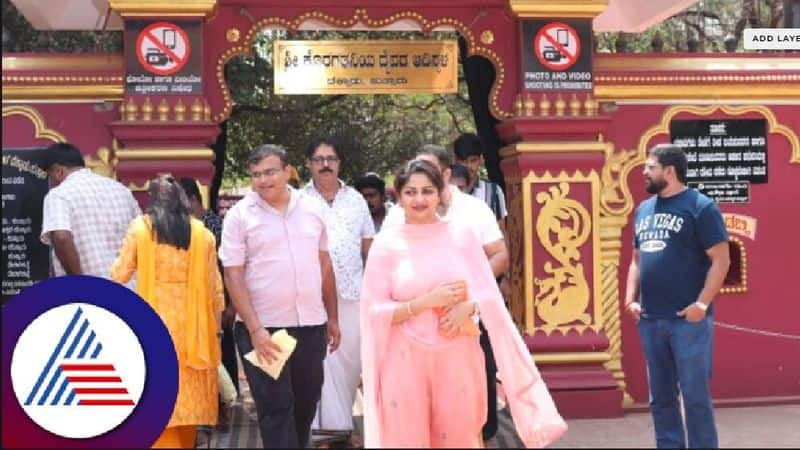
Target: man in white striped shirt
(85, 215)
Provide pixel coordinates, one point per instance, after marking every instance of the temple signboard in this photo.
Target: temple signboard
(366, 67)
(25, 259)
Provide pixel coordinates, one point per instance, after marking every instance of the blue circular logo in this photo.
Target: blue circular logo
(86, 363)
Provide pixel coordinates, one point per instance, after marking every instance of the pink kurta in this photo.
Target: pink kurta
(412, 372)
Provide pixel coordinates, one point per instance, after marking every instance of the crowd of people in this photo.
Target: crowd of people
(403, 301)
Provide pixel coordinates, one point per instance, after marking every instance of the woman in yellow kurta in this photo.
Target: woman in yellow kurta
(175, 261)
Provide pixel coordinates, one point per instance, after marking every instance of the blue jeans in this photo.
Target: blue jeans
(679, 356)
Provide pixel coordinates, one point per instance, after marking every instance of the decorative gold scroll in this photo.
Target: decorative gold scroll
(562, 298)
(365, 67)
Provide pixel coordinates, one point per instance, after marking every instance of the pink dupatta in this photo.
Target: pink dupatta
(532, 409)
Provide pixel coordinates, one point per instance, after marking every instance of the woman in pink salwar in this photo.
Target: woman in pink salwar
(424, 382)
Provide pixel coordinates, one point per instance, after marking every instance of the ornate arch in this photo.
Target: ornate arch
(40, 130)
(476, 45)
(627, 161)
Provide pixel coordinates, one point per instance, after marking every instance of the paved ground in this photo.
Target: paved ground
(753, 427)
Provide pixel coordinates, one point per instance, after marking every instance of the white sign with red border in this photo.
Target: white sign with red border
(163, 48)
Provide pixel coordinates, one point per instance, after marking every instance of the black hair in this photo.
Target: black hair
(266, 150)
(671, 155)
(466, 145)
(414, 167)
(439, 152)
(371, 180)
(459, 171)
(64, 154)
(189, 186)
(327, 140)
(169, 211)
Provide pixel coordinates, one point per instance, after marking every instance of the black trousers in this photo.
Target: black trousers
(490, 427)
(286, 406)
(229, 358)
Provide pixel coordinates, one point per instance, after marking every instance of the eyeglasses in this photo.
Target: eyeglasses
(324, 159)
(267, 173)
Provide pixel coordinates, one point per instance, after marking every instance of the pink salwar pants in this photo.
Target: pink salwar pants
(432, 396)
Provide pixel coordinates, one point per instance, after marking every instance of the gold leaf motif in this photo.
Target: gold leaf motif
(564, 296)
(104, 164)
(612, 194)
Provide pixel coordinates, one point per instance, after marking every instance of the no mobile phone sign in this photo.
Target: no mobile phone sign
(557, 46)
(163, 48)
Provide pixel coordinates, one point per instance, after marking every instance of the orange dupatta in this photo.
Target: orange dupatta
(201, 350)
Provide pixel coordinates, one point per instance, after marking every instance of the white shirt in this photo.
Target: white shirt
(463, 209)
(97, 211)
(483, 192)
(349, 223)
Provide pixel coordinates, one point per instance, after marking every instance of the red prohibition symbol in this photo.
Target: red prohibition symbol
(163, 48)
(557, 46)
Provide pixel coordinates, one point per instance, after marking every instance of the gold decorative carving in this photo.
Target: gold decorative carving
(554, 147)
(575, 106)
(180, 110)
(161, 154)
(562, 8)
(178, 8)
(518, 105)
(65, 63)
(610, 252)
(233, 35)
(362, 16)
(40, 131)
(131, 110)
(560, 105)
(105, 163)
(562, 297)
(612, 192)
(487, 37)
(563, 226)
(590, 105)
(206, 111)
(604, 63)
(682, 90)
(544, 106)
(741, 288)
(163, 110)
(529, 105)
(567, 357)
(147, 110)
(63, 93)
(197, 110)
(43, 79)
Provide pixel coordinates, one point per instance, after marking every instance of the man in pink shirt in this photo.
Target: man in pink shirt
(279, 275)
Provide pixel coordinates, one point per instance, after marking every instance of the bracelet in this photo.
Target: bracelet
(701, 305)
(408, 308)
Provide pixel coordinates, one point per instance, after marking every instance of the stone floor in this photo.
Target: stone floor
(754, 427)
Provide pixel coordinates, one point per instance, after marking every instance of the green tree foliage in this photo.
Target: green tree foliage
(378, 132)
(20, 36)
(710, 22)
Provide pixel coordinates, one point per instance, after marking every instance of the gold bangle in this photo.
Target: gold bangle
(408, 308)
